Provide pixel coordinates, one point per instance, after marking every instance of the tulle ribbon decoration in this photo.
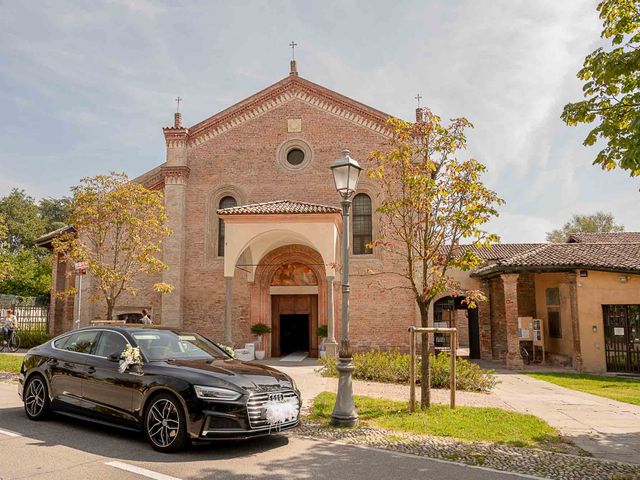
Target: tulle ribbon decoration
(277, 413)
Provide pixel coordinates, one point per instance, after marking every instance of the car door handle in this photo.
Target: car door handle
(91, 370)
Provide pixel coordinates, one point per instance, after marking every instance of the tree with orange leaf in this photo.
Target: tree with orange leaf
(120, 227)
(430, 201)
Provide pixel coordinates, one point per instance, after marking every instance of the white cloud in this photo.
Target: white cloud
(88, 86)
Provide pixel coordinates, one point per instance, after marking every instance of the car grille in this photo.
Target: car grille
(256, 406)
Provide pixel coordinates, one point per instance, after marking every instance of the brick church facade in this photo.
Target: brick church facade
(256, 226)
(276, 145)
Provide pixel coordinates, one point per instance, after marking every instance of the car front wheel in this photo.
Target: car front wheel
(36, 399)
(165, 423)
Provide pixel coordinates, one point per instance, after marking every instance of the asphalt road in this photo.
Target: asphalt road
(62, 448)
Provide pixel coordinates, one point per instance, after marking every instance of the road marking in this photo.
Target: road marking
(141, 471)
(9, 433)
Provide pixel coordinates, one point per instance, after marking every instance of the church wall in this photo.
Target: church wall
(243, 162)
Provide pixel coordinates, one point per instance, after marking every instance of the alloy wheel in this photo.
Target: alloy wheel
(34, 399)
(163, 422)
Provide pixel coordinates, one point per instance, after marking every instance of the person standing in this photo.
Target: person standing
(146, 319)
(10, 324)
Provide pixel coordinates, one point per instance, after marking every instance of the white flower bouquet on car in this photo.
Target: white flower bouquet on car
(130, 356)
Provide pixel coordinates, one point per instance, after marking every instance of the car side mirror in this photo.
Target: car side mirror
(114, 357)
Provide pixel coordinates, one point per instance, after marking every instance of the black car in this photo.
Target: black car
(185, 388)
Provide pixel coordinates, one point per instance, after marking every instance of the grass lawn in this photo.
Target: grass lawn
(10, 363)
(467, 423)
(617, 388)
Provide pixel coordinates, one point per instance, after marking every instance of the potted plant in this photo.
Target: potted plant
(260, 330)
(322, 332)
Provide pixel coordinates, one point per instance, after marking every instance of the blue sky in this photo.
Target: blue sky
(86, 87)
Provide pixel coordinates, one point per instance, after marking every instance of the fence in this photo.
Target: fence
(30, 318)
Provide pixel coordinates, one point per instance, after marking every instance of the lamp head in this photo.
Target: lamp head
(346, 172)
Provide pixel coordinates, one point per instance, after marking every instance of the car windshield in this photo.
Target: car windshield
(159, 345)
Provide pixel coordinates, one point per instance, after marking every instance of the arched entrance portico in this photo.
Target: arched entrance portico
(290, 294)
(262, 238)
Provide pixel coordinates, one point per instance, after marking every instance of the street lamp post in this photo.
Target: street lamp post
(346, 172)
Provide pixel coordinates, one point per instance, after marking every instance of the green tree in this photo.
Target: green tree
(120, 227)
(22, 220)
(54, 212)
(598, 222)
(429, 202)
(30, 274)
(5, 264)
(612, 89)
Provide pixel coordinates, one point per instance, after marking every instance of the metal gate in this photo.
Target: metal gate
(622, 337)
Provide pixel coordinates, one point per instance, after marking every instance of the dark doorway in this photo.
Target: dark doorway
(294, 333)
(474, 333)
(622, 337)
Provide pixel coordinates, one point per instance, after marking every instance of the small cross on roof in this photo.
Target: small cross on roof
(293, 46)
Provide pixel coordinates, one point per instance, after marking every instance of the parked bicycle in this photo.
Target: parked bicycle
(13, 344)
(526, 356)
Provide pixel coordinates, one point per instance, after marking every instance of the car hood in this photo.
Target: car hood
(246, 375)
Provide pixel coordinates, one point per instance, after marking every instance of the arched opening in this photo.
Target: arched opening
(289, 293)
(362, 224)
(454, 312)
(225, 202)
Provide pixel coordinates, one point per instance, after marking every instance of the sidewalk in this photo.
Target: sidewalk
(310, 383)
(605, 428)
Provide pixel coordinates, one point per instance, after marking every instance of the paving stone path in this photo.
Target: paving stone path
(528, 461)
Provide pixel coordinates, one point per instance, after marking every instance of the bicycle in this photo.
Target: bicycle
(13, 344)
(524, 353)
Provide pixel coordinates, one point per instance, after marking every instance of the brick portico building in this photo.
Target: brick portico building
(255, 237)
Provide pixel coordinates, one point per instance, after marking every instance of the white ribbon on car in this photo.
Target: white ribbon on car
(130, 356)
(124, 364)
(277, 413)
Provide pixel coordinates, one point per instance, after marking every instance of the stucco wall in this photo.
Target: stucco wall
(595, 290)
(563, 345)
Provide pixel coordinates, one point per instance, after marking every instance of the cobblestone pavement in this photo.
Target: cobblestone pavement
(528, 461)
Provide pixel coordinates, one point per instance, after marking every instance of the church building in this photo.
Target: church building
(256, 225)
(256, 229)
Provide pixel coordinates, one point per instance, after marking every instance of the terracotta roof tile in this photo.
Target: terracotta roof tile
(500, 250)
(279, 207)
(556, 256)
(605, 237)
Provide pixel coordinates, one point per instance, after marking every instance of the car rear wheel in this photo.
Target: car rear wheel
(36, 399)
(165, 424)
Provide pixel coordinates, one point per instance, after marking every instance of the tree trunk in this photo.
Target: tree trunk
(425, 376)
(110, 305)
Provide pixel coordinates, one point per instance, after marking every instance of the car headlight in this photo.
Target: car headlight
(215, 393)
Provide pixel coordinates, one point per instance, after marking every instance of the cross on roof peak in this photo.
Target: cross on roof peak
(293, 46)
(418, 97)
(178, 100)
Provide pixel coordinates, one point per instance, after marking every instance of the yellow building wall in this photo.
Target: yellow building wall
(563, 345)
(595, 290)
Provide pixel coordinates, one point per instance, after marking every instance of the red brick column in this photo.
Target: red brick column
(571, 280)
(510, 281)
(484, 321)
